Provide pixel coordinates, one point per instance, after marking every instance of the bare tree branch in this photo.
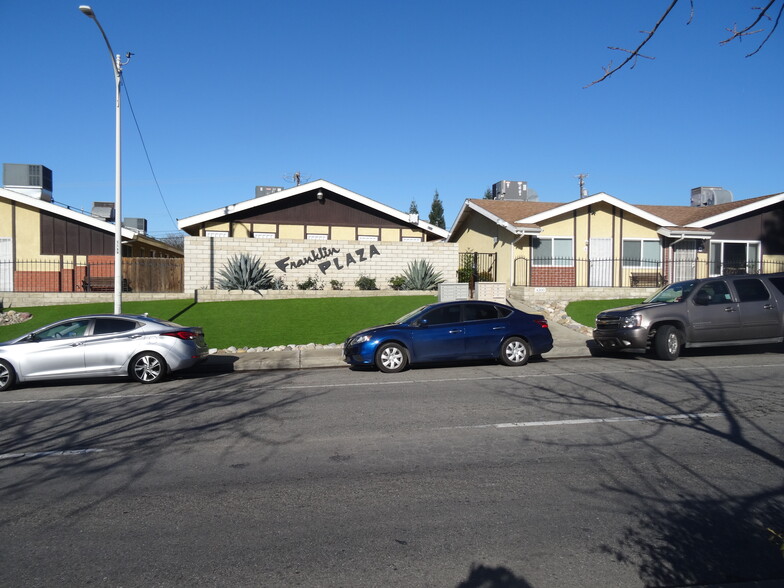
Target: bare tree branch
(609, 70)
(736, 34)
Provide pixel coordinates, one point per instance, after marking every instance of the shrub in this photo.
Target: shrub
(421, 275)
(397, 282)
(310, 284)
(245, 272)
(336, 284)
(366, 283)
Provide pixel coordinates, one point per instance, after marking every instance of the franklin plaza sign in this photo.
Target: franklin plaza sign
(327, 257)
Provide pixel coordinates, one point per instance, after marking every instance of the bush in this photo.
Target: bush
(366, 283)
(397, 282)
(310, 284)
(336, 284)
(245, 272)
(421, 275)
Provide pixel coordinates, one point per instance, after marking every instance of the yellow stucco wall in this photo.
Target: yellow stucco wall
(6, 226)
(344, 233)
(390, 234)
(291, 232)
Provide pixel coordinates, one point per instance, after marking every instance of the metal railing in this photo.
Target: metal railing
(140, 274)
(628, 273)
(477, 267)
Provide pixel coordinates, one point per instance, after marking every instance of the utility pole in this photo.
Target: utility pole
(583, 191)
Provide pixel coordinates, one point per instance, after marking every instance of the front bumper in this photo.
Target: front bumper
(635, 339)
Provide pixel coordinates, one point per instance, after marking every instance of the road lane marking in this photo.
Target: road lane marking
(671, 417)
(49, 453)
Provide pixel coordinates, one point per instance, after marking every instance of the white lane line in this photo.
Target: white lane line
(49, 453)
(672, 417)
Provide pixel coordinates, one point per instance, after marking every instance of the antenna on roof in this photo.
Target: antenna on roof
(583, 190)
(296, 178)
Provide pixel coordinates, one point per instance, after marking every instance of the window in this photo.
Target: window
(216, 233)
(261, 235)
(734, 257)
(75, 328)
(104, 326)
(713, 293)
(443, 315)
(552, 251)
(751, 290)
(479, 312)
(367, 238)
(316, 236)
(641, 253)
(411, 239)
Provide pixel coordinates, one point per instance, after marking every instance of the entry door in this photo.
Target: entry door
(684, 261)
(601, 265)
(6, 265)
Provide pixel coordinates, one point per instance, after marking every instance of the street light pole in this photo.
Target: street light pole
(117, 65)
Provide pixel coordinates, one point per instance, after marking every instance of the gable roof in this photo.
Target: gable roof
(261, 201)
(85, 219)
(523, 217)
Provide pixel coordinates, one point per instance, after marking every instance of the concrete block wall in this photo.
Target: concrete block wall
(296, 260)
(548, 294)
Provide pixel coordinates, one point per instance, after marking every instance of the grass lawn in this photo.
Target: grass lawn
(585, 311)
(252, 323)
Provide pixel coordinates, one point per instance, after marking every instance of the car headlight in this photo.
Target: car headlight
(629, 322)
(361, 339)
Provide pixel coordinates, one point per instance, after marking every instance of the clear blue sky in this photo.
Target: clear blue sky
(392, 100)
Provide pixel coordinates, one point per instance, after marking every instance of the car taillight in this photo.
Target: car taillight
(541, 322)
(186, 335)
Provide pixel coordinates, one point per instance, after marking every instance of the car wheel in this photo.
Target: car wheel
(147, 367)
(7, 375)
(515, 351)
(667, 343)
(391, 358)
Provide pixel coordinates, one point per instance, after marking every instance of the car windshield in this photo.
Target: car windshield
(407, 317)
(673, 293)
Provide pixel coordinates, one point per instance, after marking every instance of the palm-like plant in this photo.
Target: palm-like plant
(245, 272)
(421, 275)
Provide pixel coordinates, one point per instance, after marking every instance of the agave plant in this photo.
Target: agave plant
(421, 275)
(245, 272)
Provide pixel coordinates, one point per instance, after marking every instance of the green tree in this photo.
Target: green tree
(488, 194)
(413, 208)
(437, 212)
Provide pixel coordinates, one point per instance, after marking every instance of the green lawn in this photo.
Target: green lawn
(254, 323)
(585, 311)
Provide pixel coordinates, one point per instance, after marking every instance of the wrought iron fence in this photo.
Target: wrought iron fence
(140, 274)
(629, 273)
(477, 267)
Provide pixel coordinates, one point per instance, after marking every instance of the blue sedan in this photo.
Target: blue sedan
(451, 331)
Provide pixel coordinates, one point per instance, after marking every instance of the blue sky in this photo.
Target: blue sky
(391, 100)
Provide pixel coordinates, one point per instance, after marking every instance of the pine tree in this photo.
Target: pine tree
(437, 212)
(488, 194)
(413, 208)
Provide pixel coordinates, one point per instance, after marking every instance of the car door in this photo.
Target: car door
(759, 314)
(439, 336)
(55, 352)
(484, 329)
(713, 314)
(111, 345)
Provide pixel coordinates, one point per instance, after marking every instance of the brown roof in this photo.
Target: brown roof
(683, 216)
(513, 210)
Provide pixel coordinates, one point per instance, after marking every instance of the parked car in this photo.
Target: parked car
(720, 311)
(142, 347)
(451, 331)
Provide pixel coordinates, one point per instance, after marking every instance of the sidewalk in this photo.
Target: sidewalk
(569, 340)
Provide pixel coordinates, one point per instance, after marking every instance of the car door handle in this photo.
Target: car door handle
(76, 344)
(768, 307)
(455, 331)
(499, 328)
(730, 309)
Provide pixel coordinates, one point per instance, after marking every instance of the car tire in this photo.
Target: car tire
(391, 358)
(147, 367)
(7, 375)
(515, 351)
(667, 343)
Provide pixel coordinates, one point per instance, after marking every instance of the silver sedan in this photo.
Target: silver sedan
(141, 347)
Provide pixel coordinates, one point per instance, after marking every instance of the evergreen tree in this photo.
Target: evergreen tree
(488, 194)
(413, 208)
(437, 212)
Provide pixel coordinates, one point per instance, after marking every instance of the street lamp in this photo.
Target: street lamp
(117, 66)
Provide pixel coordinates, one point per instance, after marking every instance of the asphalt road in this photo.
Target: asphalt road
(569, 472)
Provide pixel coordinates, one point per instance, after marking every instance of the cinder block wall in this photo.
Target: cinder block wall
(297, 260)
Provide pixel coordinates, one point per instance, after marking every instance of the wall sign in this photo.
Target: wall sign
(322, 255)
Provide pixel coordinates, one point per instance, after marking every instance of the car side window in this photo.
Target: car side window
(105, 326)
(713, 293)
(443, 315)
(67, 329)
(751, 290)
(779, 283)
(479, 312)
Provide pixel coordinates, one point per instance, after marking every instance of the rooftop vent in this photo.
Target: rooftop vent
(31, 180)
(506, 190)
(136, 224)
(103, 210)
(707, 196)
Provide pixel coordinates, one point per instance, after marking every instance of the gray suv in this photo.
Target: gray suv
(720, 311)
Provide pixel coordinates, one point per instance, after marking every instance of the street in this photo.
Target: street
(570, 472)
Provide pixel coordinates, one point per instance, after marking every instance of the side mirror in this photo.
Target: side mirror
(421, 323)
(702, 299)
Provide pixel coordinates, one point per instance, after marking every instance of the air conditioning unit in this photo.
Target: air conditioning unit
(103, 210)
(30, 180)
(136, 224)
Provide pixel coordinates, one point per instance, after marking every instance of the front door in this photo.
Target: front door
(713, 315)
(601, 264)
(684, 261)
(6, 265)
